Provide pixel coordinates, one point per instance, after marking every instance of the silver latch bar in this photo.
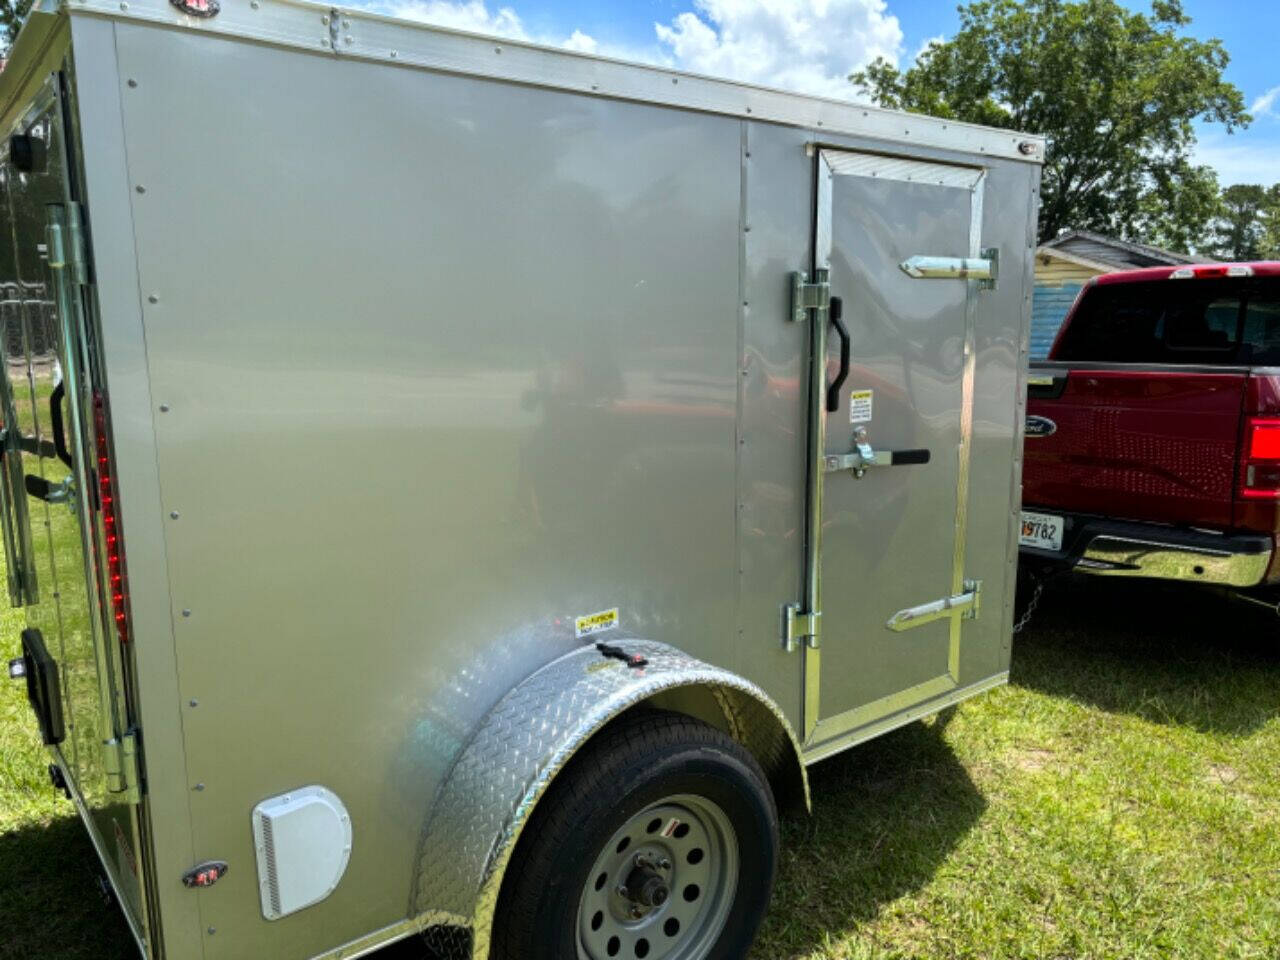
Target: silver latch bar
(952, 268)
(797, 627)
(806, 296)
(964, 605)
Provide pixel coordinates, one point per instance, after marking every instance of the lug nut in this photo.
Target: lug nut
(622, 890)
(666, 864)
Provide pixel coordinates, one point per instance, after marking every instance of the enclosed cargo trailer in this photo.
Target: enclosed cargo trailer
(436, 499)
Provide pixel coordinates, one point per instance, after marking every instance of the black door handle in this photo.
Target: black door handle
(835, 313)
(905, 458)
(55, 420)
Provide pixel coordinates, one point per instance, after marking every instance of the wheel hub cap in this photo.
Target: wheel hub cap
(663, 885)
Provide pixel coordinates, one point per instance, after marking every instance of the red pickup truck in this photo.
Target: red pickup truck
(1153, 430)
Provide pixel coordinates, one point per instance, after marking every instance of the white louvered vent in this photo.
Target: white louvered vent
(303, 842)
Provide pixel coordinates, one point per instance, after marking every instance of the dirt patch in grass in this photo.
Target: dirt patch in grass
(1032, 761)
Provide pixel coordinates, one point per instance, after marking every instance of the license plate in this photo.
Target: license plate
(1042, 530)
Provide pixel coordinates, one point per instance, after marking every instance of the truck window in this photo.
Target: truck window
(1160, 321)
(1262, 323)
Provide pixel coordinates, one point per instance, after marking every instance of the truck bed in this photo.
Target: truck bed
(1149, 443)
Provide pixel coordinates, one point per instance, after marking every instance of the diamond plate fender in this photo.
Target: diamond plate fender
(528, 737)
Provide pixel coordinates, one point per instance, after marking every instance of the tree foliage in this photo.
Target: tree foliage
(1116, 93)
(11, 14)
(1247, 224)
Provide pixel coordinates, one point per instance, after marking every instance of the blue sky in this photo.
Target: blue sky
(811, 45)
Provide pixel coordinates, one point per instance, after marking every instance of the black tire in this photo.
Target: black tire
(629, 766)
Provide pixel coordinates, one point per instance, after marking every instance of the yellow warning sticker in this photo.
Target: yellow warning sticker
(860, 403)
(593, 623)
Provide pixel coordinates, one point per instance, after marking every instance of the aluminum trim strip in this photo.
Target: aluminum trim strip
(368, 36)
(823, 750)
(902, 169)
(859, 717)
(965, 451)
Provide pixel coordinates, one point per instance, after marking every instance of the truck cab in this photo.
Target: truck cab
(1153, 430)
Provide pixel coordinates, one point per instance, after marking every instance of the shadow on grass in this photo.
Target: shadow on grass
(1159, 651)
(885, 817)
(50, 906)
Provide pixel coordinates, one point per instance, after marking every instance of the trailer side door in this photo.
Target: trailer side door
(898, 242)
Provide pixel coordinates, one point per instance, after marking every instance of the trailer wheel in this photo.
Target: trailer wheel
(658, 841)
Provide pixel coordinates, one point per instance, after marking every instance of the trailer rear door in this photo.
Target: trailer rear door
(899, 242)
(57, 514)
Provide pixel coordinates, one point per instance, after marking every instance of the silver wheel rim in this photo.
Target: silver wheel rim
(663, 886)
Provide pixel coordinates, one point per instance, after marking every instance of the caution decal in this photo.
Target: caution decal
(592, 623)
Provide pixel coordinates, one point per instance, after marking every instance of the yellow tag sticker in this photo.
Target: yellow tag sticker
(860, 405)
(593, 623)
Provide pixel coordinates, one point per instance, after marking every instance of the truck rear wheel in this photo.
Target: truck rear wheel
(658, 841)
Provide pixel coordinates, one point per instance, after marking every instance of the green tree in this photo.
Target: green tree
(11, 14)
(1238, 229)
(1175, 211)
(1115, 92)
(1271, 224)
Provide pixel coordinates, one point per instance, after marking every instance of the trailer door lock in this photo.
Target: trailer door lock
(205, 874)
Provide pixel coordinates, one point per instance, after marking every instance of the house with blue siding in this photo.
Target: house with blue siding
(1068, 261)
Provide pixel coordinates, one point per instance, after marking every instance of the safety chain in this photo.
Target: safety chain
(1031, 606)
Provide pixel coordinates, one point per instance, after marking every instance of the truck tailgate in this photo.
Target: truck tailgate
(1134, 442)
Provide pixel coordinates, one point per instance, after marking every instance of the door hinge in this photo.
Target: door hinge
(965, 605)
(65, 241)
(797, 627)
(806, 296)
(120, 760)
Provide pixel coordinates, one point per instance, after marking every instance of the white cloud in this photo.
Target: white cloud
(806, 45)
(810, 46)
(1265, 105)
(582, 42)
(1247, 157)
(470, 15)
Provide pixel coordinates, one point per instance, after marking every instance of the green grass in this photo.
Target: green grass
(1120, 798)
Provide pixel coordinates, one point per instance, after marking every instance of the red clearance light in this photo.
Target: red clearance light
(1208, 272)
(106, 496)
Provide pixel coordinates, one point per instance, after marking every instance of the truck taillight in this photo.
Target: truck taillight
(1260, 474)
(113, 544)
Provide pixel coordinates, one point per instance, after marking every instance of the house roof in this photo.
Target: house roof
(1045, 253)
(1097, 249)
